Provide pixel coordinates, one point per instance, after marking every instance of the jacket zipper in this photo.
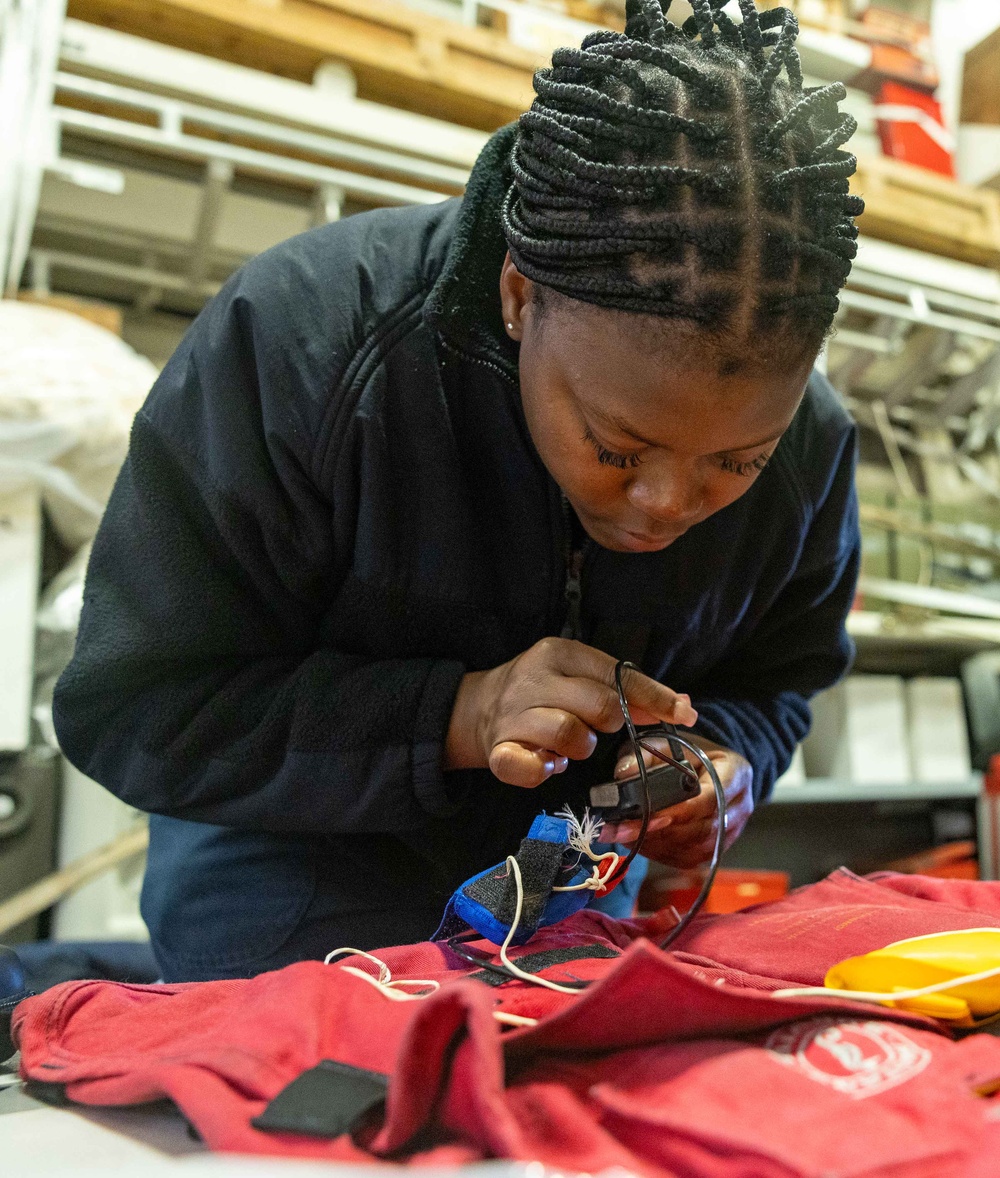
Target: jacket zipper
(573, 593)
(575, 558)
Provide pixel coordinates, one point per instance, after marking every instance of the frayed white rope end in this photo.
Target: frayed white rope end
(581, 832)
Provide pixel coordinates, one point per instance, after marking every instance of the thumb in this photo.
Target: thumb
(524, 766)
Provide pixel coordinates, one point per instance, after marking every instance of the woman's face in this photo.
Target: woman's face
(646, 429)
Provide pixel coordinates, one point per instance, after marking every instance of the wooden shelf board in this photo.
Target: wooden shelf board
(400, 57)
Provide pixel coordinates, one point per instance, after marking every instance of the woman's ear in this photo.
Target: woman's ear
(515, 297)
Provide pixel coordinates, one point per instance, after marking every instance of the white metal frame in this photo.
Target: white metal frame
(171, 136)
(230, 121)
(90, 51)
(29, 40)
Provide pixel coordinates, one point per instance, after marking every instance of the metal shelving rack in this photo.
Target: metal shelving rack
(819, 790)
(163, 170)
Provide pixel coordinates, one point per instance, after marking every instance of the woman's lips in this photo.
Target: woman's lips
(641, 542)
(629, 540)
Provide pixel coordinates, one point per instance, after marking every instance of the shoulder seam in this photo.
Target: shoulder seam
(362, 359)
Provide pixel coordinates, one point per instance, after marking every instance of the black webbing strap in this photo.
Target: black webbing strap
(533, 962)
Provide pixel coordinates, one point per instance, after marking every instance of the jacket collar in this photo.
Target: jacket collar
(464, 303)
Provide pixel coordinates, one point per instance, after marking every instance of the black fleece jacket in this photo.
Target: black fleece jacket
(332, 508)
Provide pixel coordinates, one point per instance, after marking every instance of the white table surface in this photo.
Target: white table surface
(39, 1141)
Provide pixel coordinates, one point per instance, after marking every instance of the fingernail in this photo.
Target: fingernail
(626, 768)
(562, 764)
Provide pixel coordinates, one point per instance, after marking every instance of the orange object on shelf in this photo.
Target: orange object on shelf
(732, 891)
(949, 861)
(961, 869)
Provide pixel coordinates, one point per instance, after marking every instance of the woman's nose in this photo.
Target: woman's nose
(671, 495)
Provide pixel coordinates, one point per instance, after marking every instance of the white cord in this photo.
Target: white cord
(513, 866)
(384, 973)
(385, 985)
(514, 1020)
(895, 996)
(384, 980)
(580, 834)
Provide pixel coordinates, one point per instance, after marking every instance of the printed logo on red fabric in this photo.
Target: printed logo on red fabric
(858, 1059)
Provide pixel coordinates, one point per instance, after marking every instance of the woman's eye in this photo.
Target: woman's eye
(744, 469)
(610, 457)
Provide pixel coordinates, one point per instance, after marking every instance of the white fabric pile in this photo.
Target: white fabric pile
(68, 392)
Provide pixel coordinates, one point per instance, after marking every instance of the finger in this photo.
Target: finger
(628, 832)
(649, 701)
(555, 729)
(701, 808)
(665, 849)
(696, 834)
(698, 809)
(519, 765)
(627, 767)
(593, 702)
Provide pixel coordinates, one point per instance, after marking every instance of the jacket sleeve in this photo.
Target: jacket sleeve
(200, 686)
(756, 701)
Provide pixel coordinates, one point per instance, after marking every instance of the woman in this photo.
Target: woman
(414, 481)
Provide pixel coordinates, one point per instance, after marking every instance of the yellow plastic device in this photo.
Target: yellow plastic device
(953, 976)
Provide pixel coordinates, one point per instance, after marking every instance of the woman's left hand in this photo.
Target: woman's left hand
(684, 835)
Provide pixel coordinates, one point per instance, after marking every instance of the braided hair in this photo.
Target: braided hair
(685, 172)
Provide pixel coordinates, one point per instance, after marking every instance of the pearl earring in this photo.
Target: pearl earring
(510, 326)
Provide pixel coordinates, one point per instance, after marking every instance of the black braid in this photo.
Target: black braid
(685, 172)
(752, 34)
(704, 21)
(783, 51)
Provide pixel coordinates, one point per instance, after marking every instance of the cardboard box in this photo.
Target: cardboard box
(859, 732)
(939, 738)
(980, 91)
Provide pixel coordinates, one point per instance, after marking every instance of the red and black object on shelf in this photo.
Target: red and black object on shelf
(911, 127)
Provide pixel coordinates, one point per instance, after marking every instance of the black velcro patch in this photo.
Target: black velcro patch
(539, 862)
(330, 1099)
(533, 962)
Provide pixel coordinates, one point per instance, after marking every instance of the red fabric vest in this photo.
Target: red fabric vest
(670, 1063)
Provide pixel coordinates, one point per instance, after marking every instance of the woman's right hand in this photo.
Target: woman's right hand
(528, 718)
